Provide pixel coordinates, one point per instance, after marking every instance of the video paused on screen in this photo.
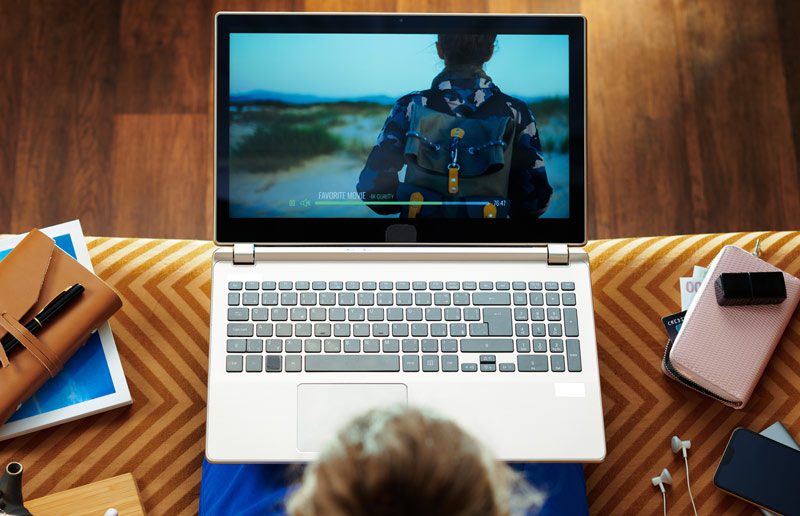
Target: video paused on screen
(399, 125)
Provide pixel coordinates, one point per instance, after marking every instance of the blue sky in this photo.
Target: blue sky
(354, 65)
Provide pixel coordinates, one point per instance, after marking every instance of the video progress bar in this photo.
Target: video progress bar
(400, 203)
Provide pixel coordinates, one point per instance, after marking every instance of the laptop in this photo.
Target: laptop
(400, 211)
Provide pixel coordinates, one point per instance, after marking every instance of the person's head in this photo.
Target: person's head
(465, 49)
(404, 461)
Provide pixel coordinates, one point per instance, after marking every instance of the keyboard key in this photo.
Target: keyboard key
(391, 346)
(375, 314)
(567, 285)
(293, 346)
(430, 346)
(283, 330)
(234, 363)
(308, 299)
(366, 299)
(469, 368)
(298, 314)
(499, 321)
(274, 345)
(352, 285)
(268, 285)
(294, 364)
(554, 329)
(552, 299)
(441, 299)
(551, 285)
(285, 285)
(419, 285)
(433, 314)
(574, 355)
(436, 285)
(413, 314)
(449, 346)
(385, 285)
(452, 314)
(556, 345)
(259, 314)
(341, 330)
(430, 363)
(538, 330)
(317, 313)
(532, 363)
(361, 330)
(518, 285)
(327, 298)
(253, 363)
(411, 363)
(520, 299)
(302, 285)
(539, 345)
(534, 285)
(485, 285)
(522, 330)
(478, 330)
(279, 314)
(507, 368)
(312, 345)
(372, 345)
(269, 298)
(571, 322)
(238, 314)
(302, 330)
(461, 298)
(347, 299)
(472, 314)
(318, 285)
(332, 345)
(273, 364)
(335, 285)
(380, 330)
(403, 285)
(352, 345)
(459, 330)
(251, 285)
(369, 285)
(322, 330)
(487, 345)
(523, 345)
(568, 299)
(399, 330)
(410, 345)
(557, 363)
(487, 359)
(452, 285)
(423, 299)
(491, 299)
(337, 314)
(469, 285)
(488, 368)
(450, 363)
(236, 345)
(250, 298)
(394, 314)
(503, 285)
(356, 314)
(240, 330)
(234, 285)
(255, 345)
(520, 314)
(404, 299)
(385, 299)
(419, 330)
(264, 330)
(288, 298)
(536, 298)
(234, 298)
(537, 314)
(439, 330)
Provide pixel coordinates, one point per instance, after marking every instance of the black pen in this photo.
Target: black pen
(53, 308)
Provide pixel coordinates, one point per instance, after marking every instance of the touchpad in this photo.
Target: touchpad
(322, 409)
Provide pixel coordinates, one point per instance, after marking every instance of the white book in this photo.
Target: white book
(92, 381)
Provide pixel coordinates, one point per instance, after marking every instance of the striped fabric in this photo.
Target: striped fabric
(162, 334)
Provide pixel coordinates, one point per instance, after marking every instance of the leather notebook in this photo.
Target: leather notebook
(722, 351)
(32, 274)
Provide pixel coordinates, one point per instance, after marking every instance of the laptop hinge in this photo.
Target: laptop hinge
(244, 254)
(557, 254)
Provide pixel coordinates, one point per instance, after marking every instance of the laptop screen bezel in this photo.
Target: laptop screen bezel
(349, 231)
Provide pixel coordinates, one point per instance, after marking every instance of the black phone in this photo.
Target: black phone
(761, 471)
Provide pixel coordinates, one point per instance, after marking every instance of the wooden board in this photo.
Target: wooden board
(93, 499)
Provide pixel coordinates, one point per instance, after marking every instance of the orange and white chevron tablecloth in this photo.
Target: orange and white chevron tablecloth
(162, 336)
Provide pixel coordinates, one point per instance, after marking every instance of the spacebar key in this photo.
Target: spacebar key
(487, 345)
(370, 363)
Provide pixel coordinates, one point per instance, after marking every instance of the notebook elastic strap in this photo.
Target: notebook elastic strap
(38, 349)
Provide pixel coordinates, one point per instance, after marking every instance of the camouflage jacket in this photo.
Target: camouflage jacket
(462, 91)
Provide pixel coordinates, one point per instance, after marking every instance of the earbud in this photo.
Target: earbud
(663, 478)
(678, 445)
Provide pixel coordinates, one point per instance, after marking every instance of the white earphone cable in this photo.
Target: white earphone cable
(664, 495)
(688, 485)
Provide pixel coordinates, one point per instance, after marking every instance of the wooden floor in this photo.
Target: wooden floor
(694, 112)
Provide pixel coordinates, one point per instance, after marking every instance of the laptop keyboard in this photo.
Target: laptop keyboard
(424, 327)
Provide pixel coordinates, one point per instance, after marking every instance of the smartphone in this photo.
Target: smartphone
(760, 471)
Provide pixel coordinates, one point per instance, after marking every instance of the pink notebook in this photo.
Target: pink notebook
(725, 349)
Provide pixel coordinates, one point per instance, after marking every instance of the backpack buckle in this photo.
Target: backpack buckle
(414, 209)
(490, 211)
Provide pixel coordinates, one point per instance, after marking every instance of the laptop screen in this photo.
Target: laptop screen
(416, 128)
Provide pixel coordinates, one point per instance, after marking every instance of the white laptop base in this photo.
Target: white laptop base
(546, 409)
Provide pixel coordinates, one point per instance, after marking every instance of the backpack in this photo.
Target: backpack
(460, 165)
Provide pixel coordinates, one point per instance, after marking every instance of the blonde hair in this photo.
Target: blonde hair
(403, 461)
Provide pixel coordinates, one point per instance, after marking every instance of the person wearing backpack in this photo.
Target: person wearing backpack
(469, 149)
